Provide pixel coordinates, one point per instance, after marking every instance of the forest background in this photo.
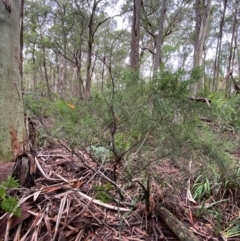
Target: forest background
(160, 87)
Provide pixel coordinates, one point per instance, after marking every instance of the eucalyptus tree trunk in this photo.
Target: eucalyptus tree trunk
(12, 130)
(78, 61)
(158, 59)
(219, 49)
(60, 85)
(46, 73)
(238, 52)
(232, 48)
(135, 36)
(63, 63)
(90, 52)
(91, 33)
(202, 10)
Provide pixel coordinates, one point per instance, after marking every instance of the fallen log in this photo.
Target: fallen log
(176, 226)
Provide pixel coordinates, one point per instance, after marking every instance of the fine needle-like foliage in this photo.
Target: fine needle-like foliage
(138, 125)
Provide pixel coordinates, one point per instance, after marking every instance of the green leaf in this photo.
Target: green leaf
(10, 205)
(2, 192)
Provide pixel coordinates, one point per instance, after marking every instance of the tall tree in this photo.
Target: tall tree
(135, 36)
(157, 59)
(219, 48)
(12, 130)
(202, 13)
(37, 42)
(232, 48)
(164, 27)
(62, 61)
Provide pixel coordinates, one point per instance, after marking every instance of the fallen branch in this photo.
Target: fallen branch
(207, 101)
(176, 226)
(43, 173)
(225, 78)
(95, 201)
(236, 87)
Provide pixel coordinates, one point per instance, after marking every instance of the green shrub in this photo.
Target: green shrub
(102, 192)
(8, 203)
(144, 122)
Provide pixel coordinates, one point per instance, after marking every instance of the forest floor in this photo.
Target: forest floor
(75, 198)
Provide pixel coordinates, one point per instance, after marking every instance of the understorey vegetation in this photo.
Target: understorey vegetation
(137, 129)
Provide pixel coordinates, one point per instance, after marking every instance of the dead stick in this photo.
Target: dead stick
(176, 226)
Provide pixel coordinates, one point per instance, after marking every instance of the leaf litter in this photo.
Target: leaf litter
(64, 204)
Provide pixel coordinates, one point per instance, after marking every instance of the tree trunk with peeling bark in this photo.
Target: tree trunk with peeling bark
(202, 10)
(12, 128)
